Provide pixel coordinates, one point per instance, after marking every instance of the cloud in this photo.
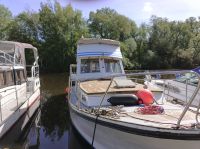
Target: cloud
(147, 7)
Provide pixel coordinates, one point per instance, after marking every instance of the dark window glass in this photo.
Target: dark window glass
(9, 78)
(2, 79)
(17, 75)
(22, 76)
(90, 65)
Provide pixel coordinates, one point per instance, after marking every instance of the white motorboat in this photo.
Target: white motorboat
(111, 109)
(19, 84)
(180, 88)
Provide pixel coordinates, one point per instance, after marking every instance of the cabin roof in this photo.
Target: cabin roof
(98, 41)
(10, 45)
(93, 47)
(14, 52)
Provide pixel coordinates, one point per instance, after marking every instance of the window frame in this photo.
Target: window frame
(4, 84)
(118, 62)
(90, 70)
(5, 77)
(12, 82)
(19, 73)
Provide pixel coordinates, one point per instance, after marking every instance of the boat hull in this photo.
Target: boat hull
(108, 136)
(27, 108)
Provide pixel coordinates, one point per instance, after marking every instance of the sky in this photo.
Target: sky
(138, 10)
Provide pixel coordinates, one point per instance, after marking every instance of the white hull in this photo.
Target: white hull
(28, 108)
(109, 137)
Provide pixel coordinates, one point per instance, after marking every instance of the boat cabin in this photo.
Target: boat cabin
(98, 58)
(101, 60)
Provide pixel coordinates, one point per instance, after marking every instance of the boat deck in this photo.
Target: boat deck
(168, 119)
(129, 115)
(100, 86)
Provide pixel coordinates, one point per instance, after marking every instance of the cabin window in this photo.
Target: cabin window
(22, 76)
(9, 78)
(2, 80)
(17, 77)
(112, 66)
(90, 65)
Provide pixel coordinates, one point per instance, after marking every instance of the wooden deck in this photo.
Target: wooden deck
(100, 86)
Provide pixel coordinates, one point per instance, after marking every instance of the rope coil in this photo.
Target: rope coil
(150, 109)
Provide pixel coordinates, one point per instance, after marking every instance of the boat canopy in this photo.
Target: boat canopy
(92, 47)
(16, 49)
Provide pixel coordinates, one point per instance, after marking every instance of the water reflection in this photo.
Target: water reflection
(53, 129)
(54, 117)
(50, 127)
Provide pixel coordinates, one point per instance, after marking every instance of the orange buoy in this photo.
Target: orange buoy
(145, 96)
(67, 90)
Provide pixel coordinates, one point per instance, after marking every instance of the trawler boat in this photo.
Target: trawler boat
(111, 109)
(19, 84)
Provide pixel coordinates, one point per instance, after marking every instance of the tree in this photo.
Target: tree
(107, 23)
(60, 28)
(55, 31)
(128, 49)
(25, 28)
(142, 40)
(5, 20)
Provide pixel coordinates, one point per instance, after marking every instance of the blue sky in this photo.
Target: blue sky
(138, 10)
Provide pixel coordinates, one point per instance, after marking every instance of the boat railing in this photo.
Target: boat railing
(35, 71)
(140, 77)
(32, 70)
(8, 59)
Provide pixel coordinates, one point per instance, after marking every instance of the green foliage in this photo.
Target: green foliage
(60, 28)
(24, 28)
(5, 19)
(55, 30)
(129, 52)
(107, 23)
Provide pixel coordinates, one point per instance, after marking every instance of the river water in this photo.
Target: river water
(50, 127)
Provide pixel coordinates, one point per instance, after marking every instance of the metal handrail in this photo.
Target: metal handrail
(196, 117)
(8, 59)
(188, 105)
(34, 72)
(151, 73)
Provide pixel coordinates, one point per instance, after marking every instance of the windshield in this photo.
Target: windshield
(112, 66)
(90, 65)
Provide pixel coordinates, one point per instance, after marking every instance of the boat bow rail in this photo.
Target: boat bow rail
(137, 77)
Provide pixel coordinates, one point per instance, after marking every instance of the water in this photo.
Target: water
(50, 127)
